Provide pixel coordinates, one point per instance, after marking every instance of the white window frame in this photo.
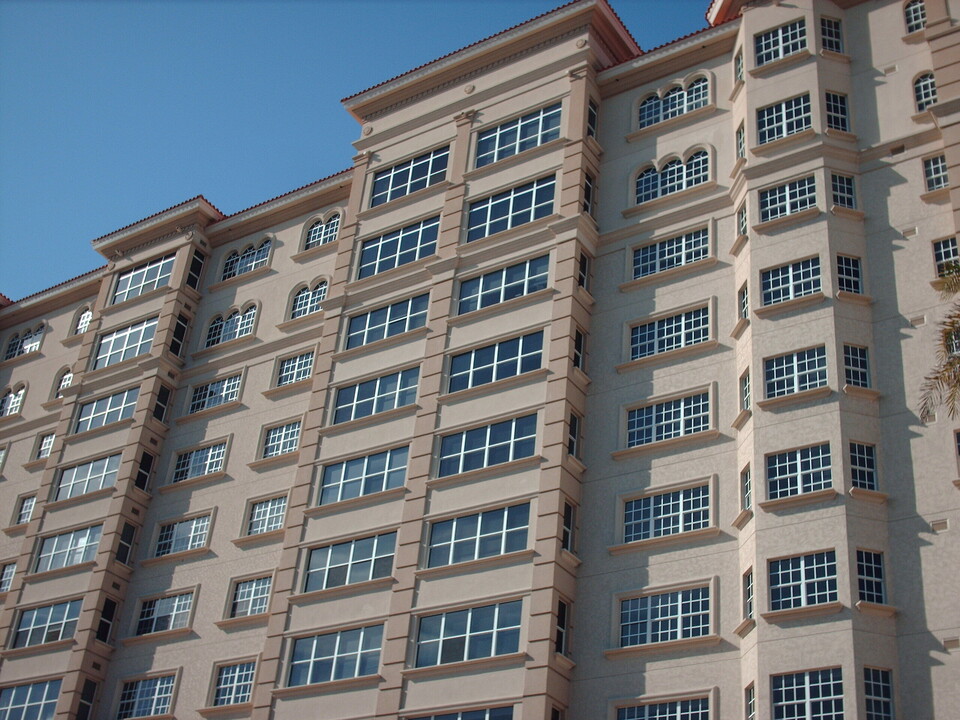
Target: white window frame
(322, 232)
(409, 176)
(215, 393)
(843, 191)
(808, 688)
(680, 614)
(856, 366)
(668, 419)
(143, 278)
(670, 253)
(838, 111)
(356, 653)
(232, 327)
(935, 173)
(184, 535)
(502, 637)
(878, 693)
(281, 439)
(915, 16)
(925, 91)
(308, 301)
(504, 284)
(352, 561)
(387, 321)
(88, 477)
(788, 199)
(810, 579)
(798, 471)
(517, 135)
(484, 451)
(377, 395)
(863, 466)
(785, 118)
(511, 208)
(489, 533)
(250, 596)
(233, 683)
(46, 623)
(295, 368)
(266, 515)
(146, 697)
(831, 34)
(795, 372)
(670, 332)
(398, 247)
(125, 343)
(673, 177)
(251, 258)
(850, 274)
(780, 42)
(871, 577)
(673, 102)
(659, 514)
(168, 612)
(370, 474)
(946, 255)
(72, 547)
(499, 361)
(198, 462)
(40, 696)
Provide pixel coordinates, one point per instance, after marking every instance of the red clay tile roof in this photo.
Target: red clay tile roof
(672, 42)
(290, 192)
(161, 212)
(59, 284)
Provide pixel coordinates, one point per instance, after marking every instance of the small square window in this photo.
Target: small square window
(946, 256)
(281, 439)
(842, 190)
(856, 366)
(849, 274)
(935, 173)
(250, 597)
(831, 34)
(267, 515)
(234, 683)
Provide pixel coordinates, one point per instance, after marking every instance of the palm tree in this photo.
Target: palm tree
(942, 386)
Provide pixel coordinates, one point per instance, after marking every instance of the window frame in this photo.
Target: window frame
(250, 515)
(283, 442)
(668, 511)
(935, 175)
(193, 545)
(358, 659)
(398, 187)
(253, 599)
(695, 246)
(476, 536)
(404, 393)
(814, 471)
(252, 257)
(489, 449)
(674, 175)
(161, 698)
(371, 555)
(801, 701)
(780, 42)
(184, 462)
(514, 127)
(323, 236)
(915, 16)
(165, 613)
(301, 369)
(345, 465)
(64, 627)
(399, 317)
(307, 299)
(236, 695)
(232, 324)
(797, 196)
(636, 431)
(528, 284)
(784, 118)
(220, 391)
(501, 364)
(399, 251)
(925, 91)
(795, 372)
(483, 219)
(632, 605)
(88, 550)
(136, 288)
(671, 331)
(511, 632)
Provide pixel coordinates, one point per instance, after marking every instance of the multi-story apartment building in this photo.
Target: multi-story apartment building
(588, 391)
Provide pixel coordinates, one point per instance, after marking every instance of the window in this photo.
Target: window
(738, 67)
(214, 394)
(583, 271)
(660, 618)
(144, 469)
(562, 641)
(831, 34)
(469, 634)
(65, 381)
(568, 529)
(814, 694)
(166, 613)
(83, 322)
(387, 321)
(350, 562)
(267, 515)
(669, 419)
(574, 435)
(666, 514)
(878, 692)
(670, 333)
(504, 284)
(863, 466)
(143, 698)
(12, 401)
(748, 596)
(178, 337)
(750, 703)
(788, 199)
(870, 581)
(250, 597)
(803, 580)
(234, 684)
(335, 656)
(780, 42)
(69, 548)
(410, 176)
(199, 462)
(741, 142)
(593, 114)
(675, 176)
(143, 278)
(517, 206)
(321, 233)
(692, 709)
(364, 475)
(281, 439)
(240, 263)
(6, 576)
(25, 509)
(183, 535)
(35, 700)
(499, 361)
(925, 91)
(196, 269)
(307, 301)
(946, 255)
(45, 446)
(856, 366)
(87, 697)
(579, 350)
(745, 391)
(935, 173)
(789, 282)
(784, 118)
(236, 325)
(799, 471)
(27, 342)
(399, 247)
(842, 191)
(488, 445)
(742, 220)
(162, 403)
(519, 134)
(47, 624)
(480, 535)
(674, 102)
(849, 274)
(589, 193)
(795, 372)
(125, 544)
(294, 369)
(671, 253)
(838, 116)
(377, 395)
(915, 15)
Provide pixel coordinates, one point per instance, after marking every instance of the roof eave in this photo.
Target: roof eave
(197, 210)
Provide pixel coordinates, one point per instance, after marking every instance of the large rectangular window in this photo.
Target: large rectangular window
(250, 597)
(799, 471)
(234, 684)
(143, 698)
(294, 369)
(26, 702)
(831, 34)
(219, 392)
(788, 199)
(692, 709)
(281, 439)
(496, 362)
(795, 372)
(87, 477)
(104, 411)
(488, 445)
(670, 333)
(843, 191)
(780, 42)
(165, 613)
(813, 695)
(350, 562)
(856, 366)
(335, 656)
(469, 634)
(784, 118)
(410, 176)
(485, 534)
(669, 616)
(668, 419)
(199, 462)
(519, 134)
(849, 274)
(665, 514)
(399, 247)
(803, 580)
(364, 475)
(47, 624)
(387, 321)
(511, 208)
(505, 284)
(182, 536)
(125, 343)
(670, 253)
(143, 278)
(69, 548)
(377, 395)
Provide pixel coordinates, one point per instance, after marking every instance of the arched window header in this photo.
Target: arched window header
(247, 260)
(673, 176)
(322, 230)
(673, 101)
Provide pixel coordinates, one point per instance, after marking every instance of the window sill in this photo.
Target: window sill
(259, 539)
(175, 556)
(60, 572)
(102, 430)
(316, 251)
(329, 686)
(54, 404)
(289, 388)
(375, 419)
(799, 500)
(741, 419)
(674, 539)
(563, 661)
(862, 392)
(704, 436)
(648, 205)
(834, 55)
(667, 646)
(14, 530)
(354, 502)
(243, 709)
(501, 468)
(227, 345)
(22, 357)
(737, 167)
(737, 86)
(773, 146)
(380, 344)
(466, 666)
(437, 188)
(667, 356)
(844, 135)
(851, 213)
(738, 329)
(742, 518)
(872, 496)
(795, 398)
(156, 636)
(779, 64)
(639, 282)
(481, 564)
(78, 499)
(37, 649)
(72, 340)
(357, 588)
(243, 277)
(739, 243)
(876, 609)
(467, 393)
(245, 621)
(791, 219)
(744, 628)
(190, 482)
(207, 412)
(35, 464)
(936, 196)
(917, 36)
(275, 460)
(924, 116)
(314, 318)
(669, 123)
(855, 298)
(775, 616)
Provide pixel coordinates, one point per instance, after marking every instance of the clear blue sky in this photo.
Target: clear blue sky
(113, 110)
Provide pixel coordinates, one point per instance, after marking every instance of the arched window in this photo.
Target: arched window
(915, 15)
(648, 185)
(697, 94)
(83, 321)
(321, 233)
(65, 381)
(307, 301)
(28, 341)
(650, 111)
(12, 401)
(925, 91)
(236, 325)
(675, 176)
(675, 102)
(248, 260)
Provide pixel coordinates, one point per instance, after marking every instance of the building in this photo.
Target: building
(588, 391)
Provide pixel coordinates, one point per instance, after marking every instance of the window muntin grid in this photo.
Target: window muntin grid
(863, 466)
(125, 343)
(738, 67)
(281, 439)
(574, 436)
(741, 142)
(505, 284)
(251, 597)
(666, 514)
(670, 333)
(579, 350)
(511, 208)
(25, 511)
(803, 580)
(12, 401)
(748, 595)
(66, 380)
(47, 624)
(407, 177)
(675, 102)
(234, 684)
(691, 709)
(878, 693)
(33, 700)
(831, 34)
(856, 366)
(743, 303)
(795, 372)
(364, 475)
(267, 515)
(788, 199)
(784, 118)
(669, 419)
(308, 301)
(182, 536)
(519, 134)
(294, 369)
(745, 391)
(838, 114)
(45, 446)
(674, 177)
(946, 255)
(497, 713)
(813, 695)
(69, 548)
(668, 616)
(750, 703)
(388, 321)
(789, 282)
(925, 91)
(335, 656)
(321, 233)
(849, 274)
(398, 247)
(780, 42)
(593, 116)
(803, 470)
(83, 322)
(28, 342)
(219, 392)
(742, 220)
(143, 278)
(670, 253)
(143, 698)
(353, 561)
(6, 576)
(488, 445)
(589, 187)
(477, 632)
(915, 15)
(199, 462)
(499, 361)
(236, 325)
(935, 173)
(842, 191)
(195, 271)
(870, 578)
(377, 395)
(252, 258)
(480, 535)
(165, 613)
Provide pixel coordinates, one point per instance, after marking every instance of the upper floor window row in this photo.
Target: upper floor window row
(106, 410)
(410, 176)
(488, 445)
(670, 253)
(322, 232)
(784, 118)
(501, 360)
(26, 342)
(517, 206)
(125, 343)
(143, 278)
(780, 42)
(399, 247)
(519, 134)
(669, 419)
(498, 286)
(234, 326)
(249, 259)
(915, 15)
(387, 321)
(376, 395)
(676, 101)
(675, 176)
